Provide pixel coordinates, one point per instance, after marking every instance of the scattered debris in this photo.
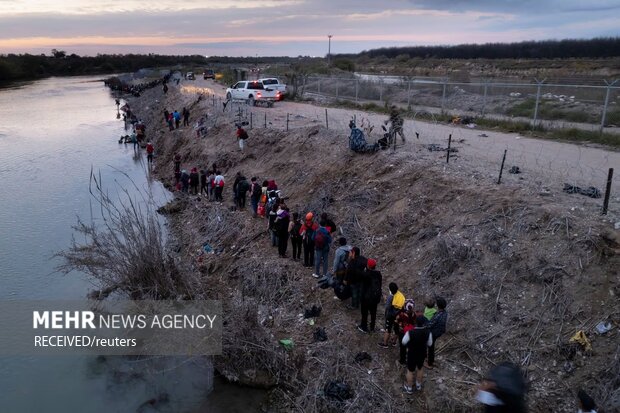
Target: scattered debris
(338, 390)
(515, 170)
(603, 327)
(590, 191)
(362, 356)
(287, 343)
(312, 312)
(320, 334)
(580, 337)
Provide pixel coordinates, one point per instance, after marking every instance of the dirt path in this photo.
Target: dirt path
(545, 165)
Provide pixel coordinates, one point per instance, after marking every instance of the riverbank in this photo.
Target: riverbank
(522, 271)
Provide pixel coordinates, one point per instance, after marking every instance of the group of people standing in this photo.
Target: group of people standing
(173, 119)
(208, 182)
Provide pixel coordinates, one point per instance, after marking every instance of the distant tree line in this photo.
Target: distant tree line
(26, 66)
(547, 49)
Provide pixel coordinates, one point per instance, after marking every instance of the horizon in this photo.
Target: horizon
(244, 28)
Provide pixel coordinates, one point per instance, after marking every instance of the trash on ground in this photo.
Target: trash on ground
(580, 337)
(515, 170)
(603, 327)
(320, 334)
(590, 191)
(312, 312)
(287, 343)
(338, 390)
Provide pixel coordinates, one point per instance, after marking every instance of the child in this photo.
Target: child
(437, 326)
(393, 305)
(429, 309)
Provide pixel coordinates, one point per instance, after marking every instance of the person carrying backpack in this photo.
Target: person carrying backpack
(219, 186)
(393, 305)
(322, 243)
(294, 229)
(341, 258)
(416, 341)
(437, 326)
(307, 235)
(370, 295)
(149, 152)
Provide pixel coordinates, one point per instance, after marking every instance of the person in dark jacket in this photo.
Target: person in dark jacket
(194, 180)
(353, 275)
(242, 189)
(203, 182)
(281, 223)
(416, 340)
(177, 167)
(184, 181)
(234, 188)
(185, 113)
(437, 326)
(370, 295)
(255, 194)
(322, 245)
(294, 228)
(307, 236)
(329, 223)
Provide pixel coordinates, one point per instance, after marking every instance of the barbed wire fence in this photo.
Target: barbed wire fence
(544, 166)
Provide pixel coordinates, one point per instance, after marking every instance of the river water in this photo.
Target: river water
(52, 133)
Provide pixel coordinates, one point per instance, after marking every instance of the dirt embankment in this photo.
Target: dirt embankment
(521, 272)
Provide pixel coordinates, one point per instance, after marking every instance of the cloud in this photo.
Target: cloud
(270, 27)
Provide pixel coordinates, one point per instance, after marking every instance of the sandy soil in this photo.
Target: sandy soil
(522, 265)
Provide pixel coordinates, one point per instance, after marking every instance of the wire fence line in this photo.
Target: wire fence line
(543, 166)
(541, 103)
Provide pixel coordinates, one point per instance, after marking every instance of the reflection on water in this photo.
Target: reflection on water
(52, 134)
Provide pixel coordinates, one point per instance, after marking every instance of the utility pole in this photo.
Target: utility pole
(329, 50)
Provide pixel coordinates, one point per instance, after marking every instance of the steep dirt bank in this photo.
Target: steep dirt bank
(522, 272)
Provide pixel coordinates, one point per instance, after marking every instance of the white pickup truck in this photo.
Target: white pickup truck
(274, 83)
(254, 92)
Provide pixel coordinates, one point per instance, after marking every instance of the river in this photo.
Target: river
(52, 133)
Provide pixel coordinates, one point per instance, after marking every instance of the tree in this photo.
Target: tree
(59, 54)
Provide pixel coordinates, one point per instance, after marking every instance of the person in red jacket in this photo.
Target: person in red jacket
(149, 152)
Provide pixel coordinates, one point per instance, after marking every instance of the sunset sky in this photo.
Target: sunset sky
(290, 27)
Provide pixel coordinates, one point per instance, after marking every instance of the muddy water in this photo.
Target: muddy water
(52, 133)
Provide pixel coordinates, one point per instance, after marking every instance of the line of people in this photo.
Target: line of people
(173, 119)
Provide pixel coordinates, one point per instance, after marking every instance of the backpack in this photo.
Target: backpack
(309, 234)
(320, 239)
(375, 289)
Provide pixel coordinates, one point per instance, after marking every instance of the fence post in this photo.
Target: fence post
(448, 150)
(326, 120)
(319, 87)
(501, 169)
(484, 99)
(380, 91)
(408, 94)
(251, 119)
(443, 97)
(356, 88)
(610, 177)
(539, 82)
(287, 121)
(265, 119)
(604, 115)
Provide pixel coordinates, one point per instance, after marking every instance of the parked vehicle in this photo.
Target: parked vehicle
(274, 83)
(252, 91)
(208, 74)
(190, 76)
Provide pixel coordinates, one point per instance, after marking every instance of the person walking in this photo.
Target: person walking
(370, 295)
(294, 229)
(322, 244)
(242, 189)
(150, 149)
(307, 234)
(393, 305)
(405, 321)
(177, 118)
(211, 185)
(234, 188)
(184, 181)
(271, 224)
(134, 140)
(219, 186)
(170, 121)
(242, 135)
(166, 114)
(185, 113)
(416, 341)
